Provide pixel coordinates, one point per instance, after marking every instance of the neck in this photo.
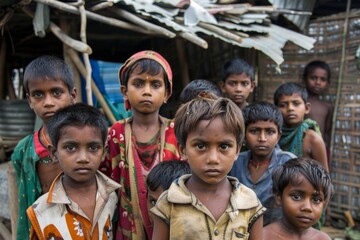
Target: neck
(195, 184)
(141, 119)
(292, 230)
(70, 185)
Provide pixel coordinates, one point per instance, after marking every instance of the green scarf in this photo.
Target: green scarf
(291, 138)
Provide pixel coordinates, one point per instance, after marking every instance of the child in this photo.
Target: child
(81, 201)
(302, 188)
(237, 81)
(207, 203)
(316, 78)
(299, 136)
(49, 86)
(139, 143)
(253, 168)
(196, 87)
(161, 177)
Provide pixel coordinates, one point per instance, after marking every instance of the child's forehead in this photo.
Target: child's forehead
(263, 124)
(46, 82)
(291, 96)
(243, 76)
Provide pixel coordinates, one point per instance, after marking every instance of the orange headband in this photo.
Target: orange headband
(147, 54)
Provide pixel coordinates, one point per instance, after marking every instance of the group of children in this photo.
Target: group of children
(149, 177)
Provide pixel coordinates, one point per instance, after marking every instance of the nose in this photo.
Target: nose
(306, 205)
(147, 89)
(262, 137)
(213, 156)
(48, 101)
(238, 88)
(82, 157)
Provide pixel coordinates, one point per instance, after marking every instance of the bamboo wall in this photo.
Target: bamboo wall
(345, 163)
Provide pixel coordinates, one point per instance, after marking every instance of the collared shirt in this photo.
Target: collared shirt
(188, 218)
(263, 187)
(55, 216)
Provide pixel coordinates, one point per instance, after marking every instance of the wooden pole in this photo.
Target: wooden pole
(77, 45)
(13, 198)
(75, 58)
(183, 62)
(86, 56)
(94, 16)
(101, 6)
(2, 67)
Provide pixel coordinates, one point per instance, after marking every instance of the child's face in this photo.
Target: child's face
(152, 198)
(211, 151)
(302, 205)
(261, 138)
(146, 93)
(317, 81)
(238, 88)
(293, 109)
(79, 152)
(46, 96)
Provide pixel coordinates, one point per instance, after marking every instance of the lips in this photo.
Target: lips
(83, 170)
(291, 116)
(260, 147)
(305, 219)
(146, 102)
(48, 114)
(213, 172)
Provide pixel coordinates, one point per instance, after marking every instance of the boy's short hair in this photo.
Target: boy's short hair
(164, 173)
(289, 89)
(77, 115)
(208, 107)
(263, 111)
(313, 171)
(237, 66)
(198, 86)
(311, 66)
(48, 67)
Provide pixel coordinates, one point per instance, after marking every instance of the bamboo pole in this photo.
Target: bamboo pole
(77, 79)
(13, 199)
(194, 39)
(75, 58)
(183, 63)
(8, 15)
(56, 30)
(2, 67)
(221, 32)
(4, 232)
(86, 56)
(147, 25)
(341, 75)
(101, 6)
(94, 16)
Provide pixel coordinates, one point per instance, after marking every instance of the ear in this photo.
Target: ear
(307, 108)
(73, 95)
(279, 136)
(123, 91)
(238, 151)
(167, 95)
(278, 199)
(222, 86)
(182, 151)
(252, 86)
(52, 150)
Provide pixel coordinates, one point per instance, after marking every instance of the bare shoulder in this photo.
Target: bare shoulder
(312, 137)
(272, 231)
(315, 234)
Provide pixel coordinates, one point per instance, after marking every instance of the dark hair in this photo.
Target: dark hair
(313, 171)
(208, 107)
(289, 89)
(198, 86)
(164, 173)
(310, 67)
(237, 66)
(48, 67)
(148, 66)
(263, 111)
(78, 115)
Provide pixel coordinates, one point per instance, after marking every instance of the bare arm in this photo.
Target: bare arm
(161, 229)
(314, 147)
(256, 232)
(328, 125)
